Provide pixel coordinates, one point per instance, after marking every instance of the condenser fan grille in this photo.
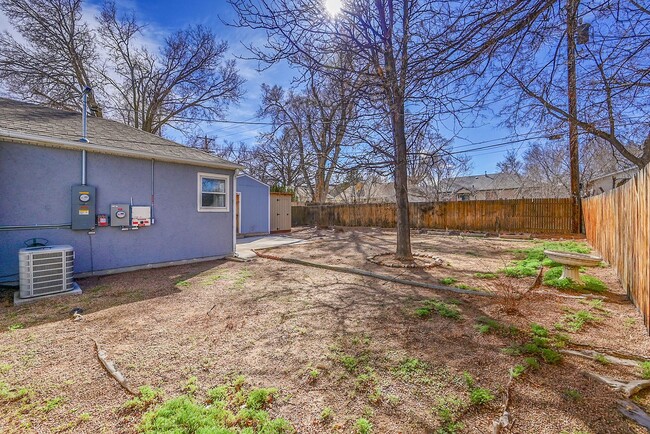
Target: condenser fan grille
(46, 270)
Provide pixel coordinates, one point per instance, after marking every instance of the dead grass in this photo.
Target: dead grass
(338, 345)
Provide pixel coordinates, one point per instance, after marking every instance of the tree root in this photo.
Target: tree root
(504, 421)
(628, 389)
(627, 407)
(593, 355)
(632, 411)
(109, 365)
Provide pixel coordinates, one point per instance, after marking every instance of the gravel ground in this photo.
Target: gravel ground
(276, 322)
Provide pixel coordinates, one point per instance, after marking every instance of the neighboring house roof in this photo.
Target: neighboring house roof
(489, 181)
(377, 192)
(33, 124)
(628, 171)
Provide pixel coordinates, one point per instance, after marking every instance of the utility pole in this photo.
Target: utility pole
(571, 27)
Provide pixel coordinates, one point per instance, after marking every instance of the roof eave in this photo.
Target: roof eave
(33, 139)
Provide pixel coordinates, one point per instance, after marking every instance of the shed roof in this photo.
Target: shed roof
(23, 122)
(245, 175)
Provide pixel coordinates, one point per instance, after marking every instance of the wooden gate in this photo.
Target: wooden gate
(280, 212)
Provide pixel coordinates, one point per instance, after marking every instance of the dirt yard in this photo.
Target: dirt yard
(338, 347)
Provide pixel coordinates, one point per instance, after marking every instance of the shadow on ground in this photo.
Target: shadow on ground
(99, 293)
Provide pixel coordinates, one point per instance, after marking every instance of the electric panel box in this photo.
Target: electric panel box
(120, 214)
(140, 216)
(83, 207)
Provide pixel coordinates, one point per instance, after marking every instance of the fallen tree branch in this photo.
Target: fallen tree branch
(594, 355)
(609, 351)
(111, 369)
(504, 421)
(632, 411)
(628, 389)
(365, 273)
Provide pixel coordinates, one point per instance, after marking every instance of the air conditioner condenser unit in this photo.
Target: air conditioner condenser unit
(44, 271)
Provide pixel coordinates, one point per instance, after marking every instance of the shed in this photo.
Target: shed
(253, 205)
(281, 212)
(124, 200)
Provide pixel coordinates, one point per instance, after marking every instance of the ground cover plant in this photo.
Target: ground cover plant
(229, 408)
(446, 309)
(590, 283)
(533, 258)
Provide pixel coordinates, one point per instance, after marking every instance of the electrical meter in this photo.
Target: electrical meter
(120, 214)
(83, 207)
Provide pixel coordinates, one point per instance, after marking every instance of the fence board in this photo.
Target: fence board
(519, 215)
(617, 224)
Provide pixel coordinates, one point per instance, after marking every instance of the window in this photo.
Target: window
(213, 193)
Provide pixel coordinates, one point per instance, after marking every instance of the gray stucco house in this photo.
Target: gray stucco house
(254, 199)
(182, 199)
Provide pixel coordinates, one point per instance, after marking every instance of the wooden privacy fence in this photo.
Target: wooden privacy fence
(518, 215)
(617, 225)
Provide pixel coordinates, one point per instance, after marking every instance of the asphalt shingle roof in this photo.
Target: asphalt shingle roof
(32, 119)
(490, 181)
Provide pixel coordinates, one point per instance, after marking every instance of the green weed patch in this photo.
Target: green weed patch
(533, 258)
(230, 408)
(591, 283)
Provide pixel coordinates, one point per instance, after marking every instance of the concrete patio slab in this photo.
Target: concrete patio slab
(245, 246)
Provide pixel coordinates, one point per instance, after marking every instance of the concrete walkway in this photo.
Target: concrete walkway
(245, 246)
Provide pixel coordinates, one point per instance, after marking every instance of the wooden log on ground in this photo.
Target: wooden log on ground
(357, 271)
(594, 355)
(111, 369)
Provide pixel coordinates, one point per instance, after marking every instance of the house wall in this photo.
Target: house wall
(35, 187)
(609, 182)
(254, 205)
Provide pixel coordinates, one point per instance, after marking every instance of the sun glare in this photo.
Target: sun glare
(333, 7)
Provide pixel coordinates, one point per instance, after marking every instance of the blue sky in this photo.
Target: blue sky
(166, 16)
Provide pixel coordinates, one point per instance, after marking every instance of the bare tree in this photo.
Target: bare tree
(510, 163)
(56, 56)
(406, 51)
(188, 79)
(53, 60)
(277, 160)
(318, 117)
(546, 166)
(613, 73)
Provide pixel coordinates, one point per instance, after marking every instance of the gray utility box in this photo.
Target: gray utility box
(120, 214)
(83, 207)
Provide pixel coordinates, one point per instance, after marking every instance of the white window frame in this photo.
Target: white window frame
(200, 177)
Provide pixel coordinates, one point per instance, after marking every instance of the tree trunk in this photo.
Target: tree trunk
(320, 190)
(401, 183)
